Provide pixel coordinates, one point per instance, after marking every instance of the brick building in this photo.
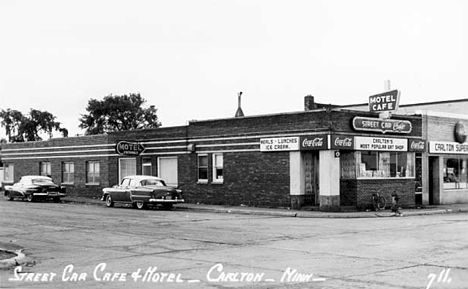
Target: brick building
(325, 156)
(442, 167)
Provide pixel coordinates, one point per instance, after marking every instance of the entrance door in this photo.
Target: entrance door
(434, 180)
(167, 170)
(311, 178)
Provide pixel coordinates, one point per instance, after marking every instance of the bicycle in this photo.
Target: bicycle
(378, 202)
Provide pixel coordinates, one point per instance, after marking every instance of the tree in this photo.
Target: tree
(21, 128)
(118, 113)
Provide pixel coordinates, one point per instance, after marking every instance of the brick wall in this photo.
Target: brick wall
(251, 178)
(359, 192)
(441, 128)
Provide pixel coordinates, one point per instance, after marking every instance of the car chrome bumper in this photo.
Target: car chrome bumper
(52, 195)
(166, 201)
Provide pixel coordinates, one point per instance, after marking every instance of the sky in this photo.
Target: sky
(191, 58)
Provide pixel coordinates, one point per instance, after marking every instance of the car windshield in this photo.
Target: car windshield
(151, 182)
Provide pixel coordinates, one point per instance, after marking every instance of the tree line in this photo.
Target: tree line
(112, 113)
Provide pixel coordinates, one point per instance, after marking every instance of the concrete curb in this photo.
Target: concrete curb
(289, 213)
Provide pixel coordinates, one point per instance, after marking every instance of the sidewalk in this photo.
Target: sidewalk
(427, 210)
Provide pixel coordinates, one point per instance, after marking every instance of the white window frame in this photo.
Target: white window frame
(48, 169)
(93, 181)
(8, 172)
(168, 182)
(120, 168)
(67, 173)
(216, 178)
(203, 181)
(147, 163)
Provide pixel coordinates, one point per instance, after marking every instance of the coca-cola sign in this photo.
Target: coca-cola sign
(342, 142)
(314, 142)
(416, 145)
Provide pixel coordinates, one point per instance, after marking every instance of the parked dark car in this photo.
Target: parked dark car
(34, 188)
(141, 191)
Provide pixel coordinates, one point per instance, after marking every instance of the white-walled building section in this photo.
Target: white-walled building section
(329, 179)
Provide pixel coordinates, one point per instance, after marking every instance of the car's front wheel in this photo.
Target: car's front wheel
(167, 206)
(30, 198)
(140, 205)
(109, 201)
(7, 196)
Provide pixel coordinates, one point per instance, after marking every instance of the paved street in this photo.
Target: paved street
(71, 245)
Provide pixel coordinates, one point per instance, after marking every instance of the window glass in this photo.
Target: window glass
(455, 173)
(371, 164)
(68, 172)
(45, 169)
(127, 167)
(146, 167)
(8, 172)
(203, 167)
(125, 182)
(134, 183)
(218, 167)
(92, 174)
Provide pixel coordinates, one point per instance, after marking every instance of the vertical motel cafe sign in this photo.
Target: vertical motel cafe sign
(387, 101)
(380, 103)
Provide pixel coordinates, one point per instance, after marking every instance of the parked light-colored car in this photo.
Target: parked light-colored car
(141, 191)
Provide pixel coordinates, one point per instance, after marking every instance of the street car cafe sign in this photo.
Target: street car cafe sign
(126, 148)
(387, 101)
(279, 144)
(382, 125)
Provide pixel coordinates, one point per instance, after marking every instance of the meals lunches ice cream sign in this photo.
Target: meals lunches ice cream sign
(279, 144)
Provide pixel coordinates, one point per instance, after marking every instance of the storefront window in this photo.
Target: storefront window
(373, 164)
(455, 173)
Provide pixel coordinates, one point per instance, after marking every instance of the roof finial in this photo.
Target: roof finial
(239, 112)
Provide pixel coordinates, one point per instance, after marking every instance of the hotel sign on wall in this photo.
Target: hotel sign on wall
(279, 144)
(380, 144)
(382, 125)
(444, 147)
(126, 148)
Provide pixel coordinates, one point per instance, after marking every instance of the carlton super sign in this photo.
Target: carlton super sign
(387, 101)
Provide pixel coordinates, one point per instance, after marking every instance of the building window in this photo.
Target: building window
(455, 173)
(203, 168)
(45, 169)
(92, 172)
(127, 167)
(146, 167)
(218, 168)
(9, 173)
(68, 173)
(372, 164)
